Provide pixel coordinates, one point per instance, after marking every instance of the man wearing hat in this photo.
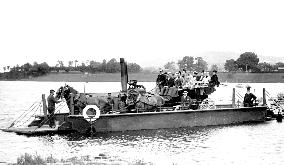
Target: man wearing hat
(249, 98)
(161, 80)
(185, 99)
(214, 79)
(51, 101)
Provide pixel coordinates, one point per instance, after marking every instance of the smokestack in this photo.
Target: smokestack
(124, 75)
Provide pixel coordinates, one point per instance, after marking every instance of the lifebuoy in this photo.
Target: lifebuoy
(91, 117)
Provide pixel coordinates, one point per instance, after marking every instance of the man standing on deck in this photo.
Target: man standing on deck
(51, 101)
(249, 98)
(214, 79)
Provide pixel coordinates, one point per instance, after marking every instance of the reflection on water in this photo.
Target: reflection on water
(261, 143)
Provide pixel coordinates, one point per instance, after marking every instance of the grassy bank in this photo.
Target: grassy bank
(28, 159)
(151, 77)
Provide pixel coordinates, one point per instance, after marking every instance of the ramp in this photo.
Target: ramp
(33, 130)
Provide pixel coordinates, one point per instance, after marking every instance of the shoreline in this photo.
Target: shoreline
(224, 77)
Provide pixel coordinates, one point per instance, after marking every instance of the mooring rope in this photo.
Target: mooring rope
(239, 95)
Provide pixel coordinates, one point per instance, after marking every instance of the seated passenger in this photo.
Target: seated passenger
(178, 80)
(109, 104)
(169, 83)
(206, 78)
(185, 100)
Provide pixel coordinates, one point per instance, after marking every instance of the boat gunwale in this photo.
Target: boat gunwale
(172, 112)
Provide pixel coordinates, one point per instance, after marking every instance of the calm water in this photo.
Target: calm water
(234, 144)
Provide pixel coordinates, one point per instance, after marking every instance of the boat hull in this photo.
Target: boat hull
(171, 119)
(147, 120)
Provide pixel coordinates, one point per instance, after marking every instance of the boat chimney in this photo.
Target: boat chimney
(264, 96)
(124, 75)
(234, 98)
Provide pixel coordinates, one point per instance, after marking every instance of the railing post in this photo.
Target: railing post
(44, 107)
(234, 98)
(72, 104)
(264, 97)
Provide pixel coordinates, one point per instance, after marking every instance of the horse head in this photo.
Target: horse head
(59, 93)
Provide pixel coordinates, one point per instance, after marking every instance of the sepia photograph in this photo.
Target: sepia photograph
(127, 82)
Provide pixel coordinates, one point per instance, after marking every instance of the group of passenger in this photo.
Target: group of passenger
(185, 80)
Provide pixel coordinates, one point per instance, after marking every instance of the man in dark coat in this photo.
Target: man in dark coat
(249, 98)
(51, 101)
(161, 80)
(185, 99)
(214, 79)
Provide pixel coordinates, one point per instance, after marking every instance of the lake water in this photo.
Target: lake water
(261, 143)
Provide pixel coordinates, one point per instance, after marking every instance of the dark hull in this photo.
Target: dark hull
(150, 120)
(175, 119)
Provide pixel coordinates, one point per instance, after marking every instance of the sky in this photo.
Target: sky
(148, 32)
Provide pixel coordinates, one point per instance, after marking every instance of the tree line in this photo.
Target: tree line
(35, 70)
(249, 62)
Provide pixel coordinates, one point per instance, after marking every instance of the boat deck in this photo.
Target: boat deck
(33, 130)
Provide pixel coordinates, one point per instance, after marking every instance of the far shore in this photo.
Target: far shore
(151, 77)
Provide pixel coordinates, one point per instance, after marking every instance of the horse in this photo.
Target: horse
(81, 100)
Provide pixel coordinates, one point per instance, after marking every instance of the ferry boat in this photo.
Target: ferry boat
(135, 109)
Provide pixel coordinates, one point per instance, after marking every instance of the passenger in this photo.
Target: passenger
(188, 81)
(122, 103)
(169, 83)
(214, 79)
(183, 73)
(172, 88)
(206, 78)
(51, 101)
(110, 103)
(161, 80)
(185, 100)
(178, 80)
(202, 75)
(249, 98)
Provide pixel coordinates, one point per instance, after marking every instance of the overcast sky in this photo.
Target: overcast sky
(147, 32)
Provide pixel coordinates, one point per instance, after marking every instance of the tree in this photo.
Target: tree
(186, 63)
(75, 63)
(214, 67)
(95, 66)
(61, 64)
(231, 65)
(103, 69)
(112, 66)
(265, 67)
(248, 61)
(133, 67)
(170, 66)
(200, 64)
(4, 68)
(70, 63)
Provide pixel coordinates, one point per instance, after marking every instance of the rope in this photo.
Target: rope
(278, 105)
(39, 107)
(60, 106)
(31, 108)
